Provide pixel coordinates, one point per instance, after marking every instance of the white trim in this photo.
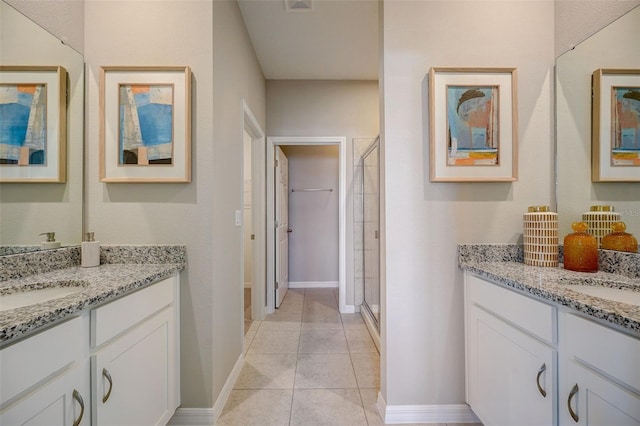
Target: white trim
(447, 413)
(373, 331)
(193, 417)
(228, 387)
(341, 141)
(314, 284)
(248, 285)
(258, 286)
(348, 309)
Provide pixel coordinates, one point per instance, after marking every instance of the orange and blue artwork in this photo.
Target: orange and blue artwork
(146, 124)
(472, 126)
(625, 126)
(23, 124)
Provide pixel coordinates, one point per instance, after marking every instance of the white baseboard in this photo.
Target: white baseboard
(193, 417)
(248, 285)
(448, 413)
(313, 284)
(209, 416)
(348, 309)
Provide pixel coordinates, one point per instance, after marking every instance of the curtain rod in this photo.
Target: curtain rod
(312, 190)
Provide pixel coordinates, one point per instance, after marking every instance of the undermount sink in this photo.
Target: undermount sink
(622, 295)
(31, 294)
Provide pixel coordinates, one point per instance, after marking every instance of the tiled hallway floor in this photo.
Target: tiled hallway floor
(306, 364)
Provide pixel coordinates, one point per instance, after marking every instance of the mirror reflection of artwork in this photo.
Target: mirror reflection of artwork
(472, 125)
(625, 126)
(23, 124)
(146, 124)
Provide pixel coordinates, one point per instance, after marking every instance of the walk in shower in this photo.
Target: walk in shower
(367, 229)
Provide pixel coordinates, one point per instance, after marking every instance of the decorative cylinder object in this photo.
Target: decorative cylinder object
(540, 237)
(580, 249)
(600, 219)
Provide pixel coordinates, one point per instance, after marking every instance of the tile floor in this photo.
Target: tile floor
(307, 364)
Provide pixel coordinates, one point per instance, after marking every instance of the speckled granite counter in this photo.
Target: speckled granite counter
(503, 264)
(124, 269)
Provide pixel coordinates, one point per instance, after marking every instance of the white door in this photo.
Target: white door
(281, 204)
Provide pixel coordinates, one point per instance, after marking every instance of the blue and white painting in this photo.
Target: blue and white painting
(23, 124)
(146, 124)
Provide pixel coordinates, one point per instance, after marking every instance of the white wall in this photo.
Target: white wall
(211, 39)
(313, 216)
(326, 108)
(422, 359)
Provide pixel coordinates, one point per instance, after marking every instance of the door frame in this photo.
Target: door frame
(258, 287)
(341, 142)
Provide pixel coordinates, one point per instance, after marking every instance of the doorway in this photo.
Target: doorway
(272, 144)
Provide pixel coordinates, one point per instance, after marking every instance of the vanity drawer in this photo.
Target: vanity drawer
(612, 352)
(30, 361)
(535, 317)
(110, 320)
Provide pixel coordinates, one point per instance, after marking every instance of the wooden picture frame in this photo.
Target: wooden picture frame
(33, 124)
(145, 124)
(615, 135)
(473, 130)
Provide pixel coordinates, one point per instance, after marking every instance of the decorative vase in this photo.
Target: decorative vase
(540, 236)
(580, 249)
(619, 240)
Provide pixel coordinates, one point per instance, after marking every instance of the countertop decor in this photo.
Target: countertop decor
(503, 264)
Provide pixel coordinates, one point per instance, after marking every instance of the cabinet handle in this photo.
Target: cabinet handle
(76, 395)
(105, 373)
(540, 371)
(574, 390)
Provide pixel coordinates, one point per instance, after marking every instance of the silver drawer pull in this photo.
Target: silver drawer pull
(574, 391)
(105, 374)
(76, 395)
(540, 372)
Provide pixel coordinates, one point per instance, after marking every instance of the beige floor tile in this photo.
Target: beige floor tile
(275, 341)
(329, 407)
(257, 407)
(282, 321)
(359, 340)
(316, 371)
(255, 325)
(330, 321)
(352, 320)
(322, 341)
(248, 338)
(367, 369)
(267, 371)
(369, 400)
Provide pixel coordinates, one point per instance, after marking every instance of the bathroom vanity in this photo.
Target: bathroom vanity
(546, 346)
(106, 353)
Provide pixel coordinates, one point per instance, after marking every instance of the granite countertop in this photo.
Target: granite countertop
(123, 270)
(550, 284)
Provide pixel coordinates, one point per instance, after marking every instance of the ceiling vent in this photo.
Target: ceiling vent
(298, 5)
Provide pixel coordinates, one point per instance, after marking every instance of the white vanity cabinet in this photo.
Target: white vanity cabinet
(510, 356)
(45, 379)
(134, 367)
(600, 374)
(115, 365)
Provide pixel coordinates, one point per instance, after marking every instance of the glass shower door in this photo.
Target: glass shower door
(371, 231)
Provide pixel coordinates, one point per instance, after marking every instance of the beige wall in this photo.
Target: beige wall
(210, 38)
(422, 326)
(326, 108)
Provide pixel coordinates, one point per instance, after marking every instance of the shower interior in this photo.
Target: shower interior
(367, 238)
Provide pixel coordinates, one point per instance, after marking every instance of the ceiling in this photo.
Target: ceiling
(335, 40)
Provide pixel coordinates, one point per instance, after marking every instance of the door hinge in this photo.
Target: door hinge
(277, 285)
(275, 224)
(275, 163)
(253, 236)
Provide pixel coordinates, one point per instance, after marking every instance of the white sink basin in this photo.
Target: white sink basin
(628, 296)
(38, 293)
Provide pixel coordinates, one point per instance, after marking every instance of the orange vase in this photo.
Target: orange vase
(619, 240)
(580, 249)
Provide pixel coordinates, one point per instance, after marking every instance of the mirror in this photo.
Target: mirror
(29, 209)
(615, 46)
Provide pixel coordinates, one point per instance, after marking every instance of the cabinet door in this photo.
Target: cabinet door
(510, 375)
(586, 398)
(133, 377)
(57, 402)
